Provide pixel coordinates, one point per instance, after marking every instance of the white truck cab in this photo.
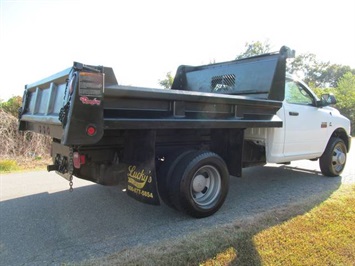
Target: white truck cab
(311, 130)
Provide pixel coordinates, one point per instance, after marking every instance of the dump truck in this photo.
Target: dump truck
(181, 146)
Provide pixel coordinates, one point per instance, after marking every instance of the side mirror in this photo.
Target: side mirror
(327, 99)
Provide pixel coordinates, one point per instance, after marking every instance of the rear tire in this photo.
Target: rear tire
(165, 172)
(199, 184)
(333, 160)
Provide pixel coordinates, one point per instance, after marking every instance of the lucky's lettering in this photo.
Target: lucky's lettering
(138, 178)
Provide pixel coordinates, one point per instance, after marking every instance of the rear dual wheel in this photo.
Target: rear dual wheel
(197, 183)
(165, 172)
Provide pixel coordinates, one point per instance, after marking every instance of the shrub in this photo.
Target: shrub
(14, 143)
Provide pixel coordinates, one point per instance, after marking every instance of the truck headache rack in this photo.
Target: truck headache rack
(263, 75)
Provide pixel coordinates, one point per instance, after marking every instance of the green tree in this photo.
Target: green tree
(319, 91)
(345, 94)
(333, 73)
(254, 48)
(318, 73)
(12, 105)
(167, 82)
(308, 66)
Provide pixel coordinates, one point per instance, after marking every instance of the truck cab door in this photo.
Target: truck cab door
(305, 125)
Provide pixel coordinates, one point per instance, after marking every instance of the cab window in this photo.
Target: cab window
(297, 94)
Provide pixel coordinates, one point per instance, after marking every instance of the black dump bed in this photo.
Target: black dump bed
(78, 105)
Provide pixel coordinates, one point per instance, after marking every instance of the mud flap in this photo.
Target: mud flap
(139, 157)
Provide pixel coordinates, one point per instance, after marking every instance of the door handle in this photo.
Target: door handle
(293, 113)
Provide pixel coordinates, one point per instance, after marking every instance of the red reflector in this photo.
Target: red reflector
(91, 130)
(82, 159)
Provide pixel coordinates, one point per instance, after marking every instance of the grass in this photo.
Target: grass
(8, 166)
(23, 164)
(222, 258)
(323, 236)
(296, 235)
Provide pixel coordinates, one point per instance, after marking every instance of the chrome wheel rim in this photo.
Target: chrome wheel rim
(206, 186)
(338, 158)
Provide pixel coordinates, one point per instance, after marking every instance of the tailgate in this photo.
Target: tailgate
(66, 106)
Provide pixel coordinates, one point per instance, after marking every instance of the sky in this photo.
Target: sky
(143, 40)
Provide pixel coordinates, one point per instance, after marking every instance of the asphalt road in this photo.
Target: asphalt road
(42, 223)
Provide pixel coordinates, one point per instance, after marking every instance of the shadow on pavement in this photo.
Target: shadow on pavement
(95, 221)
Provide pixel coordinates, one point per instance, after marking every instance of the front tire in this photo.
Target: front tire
(333, 160)
(200, 184)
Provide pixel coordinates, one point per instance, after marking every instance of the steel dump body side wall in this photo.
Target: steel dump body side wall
(134, 108)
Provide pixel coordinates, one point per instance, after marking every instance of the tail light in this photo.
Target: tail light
(78, 160)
